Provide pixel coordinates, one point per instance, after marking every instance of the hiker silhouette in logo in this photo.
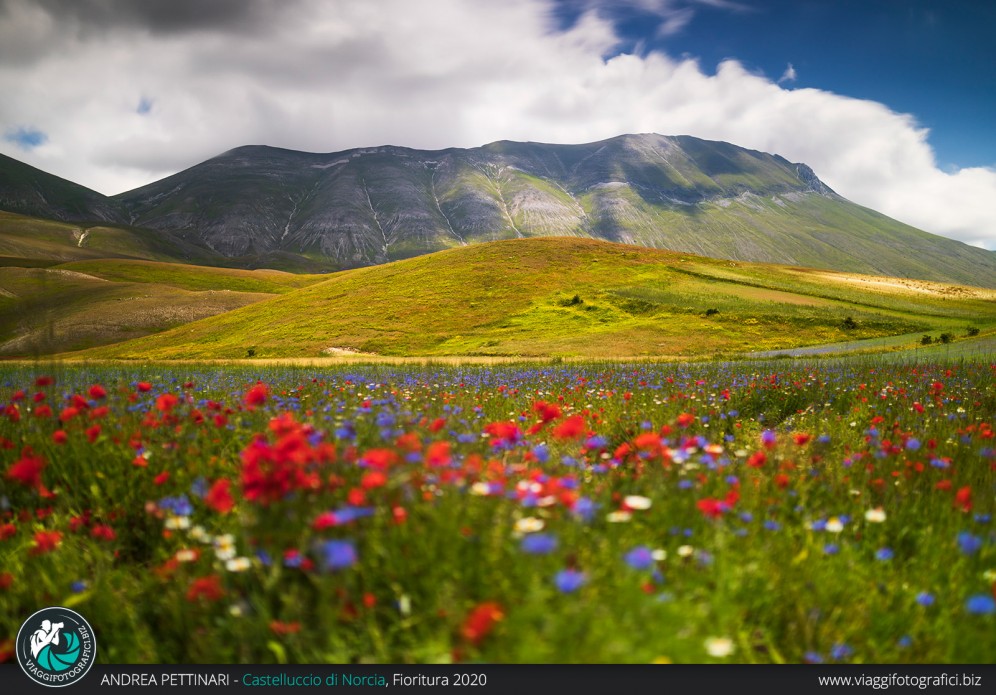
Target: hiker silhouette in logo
(47, 634)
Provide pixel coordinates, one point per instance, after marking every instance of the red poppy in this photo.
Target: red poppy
(27, 470)
(161, 478)
(373, 479)
(481, 621)
(97, 392)
(207, 588)
(219, 497)
(571, 428)
(257, 395)
(963, 499)
(757, 459)
(6, 531)
(685, 419)
(438, 454)
(144, 386)
(103, 532)
(165, 402)
(280, 628)
(46, 542)
(503, 433)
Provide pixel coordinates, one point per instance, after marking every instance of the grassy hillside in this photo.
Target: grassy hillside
(46, 310)
(560, 296)
(192, 277)
(33, 239)
(32, 242)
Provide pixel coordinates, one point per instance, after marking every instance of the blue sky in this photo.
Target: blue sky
(934, 60)
(890, 102)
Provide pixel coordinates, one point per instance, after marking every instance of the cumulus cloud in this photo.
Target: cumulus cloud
(127, 94)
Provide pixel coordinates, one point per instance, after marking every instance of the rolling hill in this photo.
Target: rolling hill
(81, 304)
(570, 297)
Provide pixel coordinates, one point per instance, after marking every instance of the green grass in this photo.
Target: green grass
(48, 310)
(513, 298)
(195, 278)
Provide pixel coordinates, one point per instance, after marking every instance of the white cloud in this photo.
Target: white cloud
(434, 74)
(789, 75)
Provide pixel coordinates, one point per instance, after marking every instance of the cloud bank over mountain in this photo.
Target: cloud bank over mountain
(116, 94)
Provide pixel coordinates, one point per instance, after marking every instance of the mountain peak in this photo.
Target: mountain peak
(371, 205)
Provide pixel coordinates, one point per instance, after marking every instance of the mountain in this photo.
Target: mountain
(371, 205)
(573, 297)
(33, 192)
(259, 206)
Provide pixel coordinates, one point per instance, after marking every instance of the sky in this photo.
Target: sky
(891, 102)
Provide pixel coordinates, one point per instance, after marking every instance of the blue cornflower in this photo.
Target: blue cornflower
(179, 505)
(912, 444)
(640, 558)
(199, 487)
(337, 555)
(772, 525)
(904, 642)
(925, 598)
(813, 658)
(840, 651)
(980, 604)
(585, 508)
(539, 544)
(570, 580)
(968, 543)
(596, 442)
(345, 515)
(831, 549)
(78, 587)
(884, 554)
(542, 453)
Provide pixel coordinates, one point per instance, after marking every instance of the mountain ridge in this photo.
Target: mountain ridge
(369, 205)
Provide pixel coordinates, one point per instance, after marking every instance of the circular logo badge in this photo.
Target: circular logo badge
(56, 647)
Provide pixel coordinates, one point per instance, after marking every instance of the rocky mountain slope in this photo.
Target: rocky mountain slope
(371, 205)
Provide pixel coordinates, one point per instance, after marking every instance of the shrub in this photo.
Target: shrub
(251, 352)
(971, 331)
(850, 324)
(946, 338)
(712, 312)
(926, 340)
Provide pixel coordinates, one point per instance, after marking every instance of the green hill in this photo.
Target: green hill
(570, 296)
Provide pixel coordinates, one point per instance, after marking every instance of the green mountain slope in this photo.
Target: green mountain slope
(561, 296)
(49, 310)
(372, 205)
(31, 241)
(30, 191)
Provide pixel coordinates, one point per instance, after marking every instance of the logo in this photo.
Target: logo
(56, 647)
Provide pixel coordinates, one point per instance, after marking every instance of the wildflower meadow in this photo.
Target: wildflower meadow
(780, 511)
